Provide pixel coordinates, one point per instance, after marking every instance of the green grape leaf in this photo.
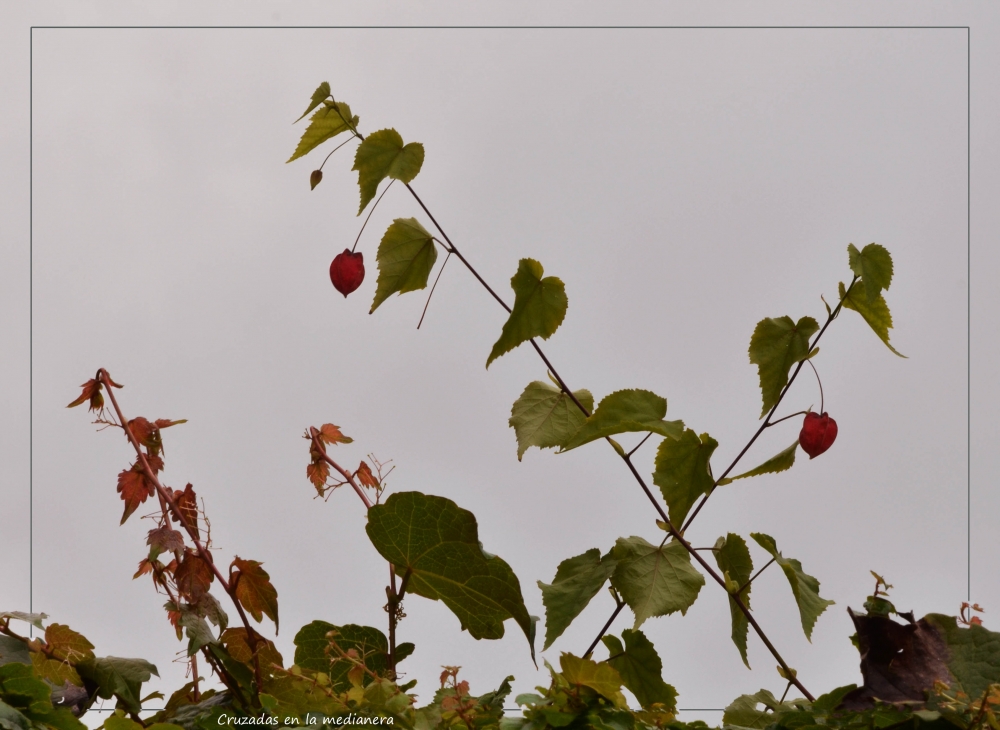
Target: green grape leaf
(875, 313)
(781, 461)
(292, 697)
(733, 558)
(641, 669)
(777, 344)
(406, 256)
(26, 702)
(325, 124)
(198, 631)
(311, 643)
(743, 712)
(974, 651)
(874, 265)
(600, 677)
(654, 581)
(577, 581)
(13, 650)
(624, 411)
(539, 308)
(381, 155)
(117, 677)
(805, 588)
(545, 417)
(322, 92)
(55, 670)
(683, 473)
(437, 543)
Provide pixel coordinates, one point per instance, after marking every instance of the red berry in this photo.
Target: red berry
(347, 271)
(818, 434)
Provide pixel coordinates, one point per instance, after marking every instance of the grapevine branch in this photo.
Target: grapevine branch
(673, 531)
(167, 498)
(394, 596)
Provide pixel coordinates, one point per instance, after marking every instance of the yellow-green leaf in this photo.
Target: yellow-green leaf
(325, 124)
(777, 344)
(683, 473)
(600, 677)
(382, 154)
(654, 581)
(782, 461)
(624, 411)
(546, 417)
(875, 313)
(322, 92)
(577, 581)
(733, 559)
(539, 308)
(874, 265)
(406, 256)
(805, 588)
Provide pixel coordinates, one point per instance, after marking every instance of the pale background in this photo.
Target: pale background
(684, 183)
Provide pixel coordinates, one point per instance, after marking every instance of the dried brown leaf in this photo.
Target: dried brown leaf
(193, 576)
(253, 589)
(134, 489)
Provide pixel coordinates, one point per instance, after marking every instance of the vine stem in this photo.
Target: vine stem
(677, 534)
(395, 598)
(192, 530)
(619, 605)
(767, 421)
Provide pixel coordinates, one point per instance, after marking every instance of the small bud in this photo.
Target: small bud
(315, 179)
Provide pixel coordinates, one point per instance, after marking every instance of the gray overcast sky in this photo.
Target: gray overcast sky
(684, 183)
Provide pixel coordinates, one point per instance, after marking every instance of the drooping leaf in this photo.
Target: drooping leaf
(117, 677)
(91, 392)
(874, 265)
(743, 712)
(624, 411)
(254, 591)
(366, 477)
(381, 155)
(134, 489)
(733, 559)
(539, 308)
(777, 344)
(641, 669)
(599, 676)
(330, 434)
(654, 581)
(782, 461)
(683, 473)
(437, 542)
(577, 581)
(322, 92)
(875, 313)
(325, 124)
(35, 619)
(805, 588)
(545, 417)
(193, 576)
(13, 650)
(164, 539)
(406, 256)
(198, 631)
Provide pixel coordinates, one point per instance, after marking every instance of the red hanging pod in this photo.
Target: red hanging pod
(347, 271)
(818, 433)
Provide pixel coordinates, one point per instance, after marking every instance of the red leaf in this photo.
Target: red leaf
(155, 462)
(145, 566)
(193, 576)
(165, 539)
(134, 488)
(318, 472)
(366, 477)
(331, 434)
(91, 392)
(254, 590)
(187, 507)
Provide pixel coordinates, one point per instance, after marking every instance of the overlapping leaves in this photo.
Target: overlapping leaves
(624, 411)
(436, 544)
(333, 119)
